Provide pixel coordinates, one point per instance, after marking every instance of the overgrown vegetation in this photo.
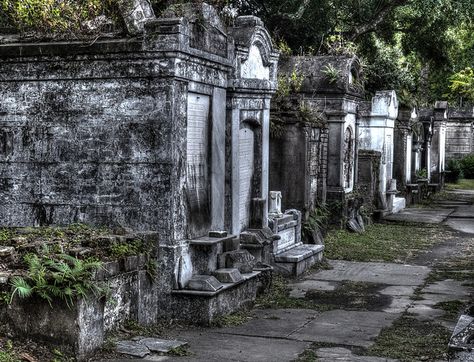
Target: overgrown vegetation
(467, 165)
(58, 277)
(58, 18)
(409, 339)
(382, 242)
(451, 308)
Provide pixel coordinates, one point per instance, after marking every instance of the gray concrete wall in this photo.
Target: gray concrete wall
(88, 138)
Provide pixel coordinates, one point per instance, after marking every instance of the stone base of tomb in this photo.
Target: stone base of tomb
(297, 260)
(80, 328)
(399, 203)
(203, 307)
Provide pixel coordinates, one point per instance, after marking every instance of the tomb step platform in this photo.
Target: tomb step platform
(202, 307)
(297, 260)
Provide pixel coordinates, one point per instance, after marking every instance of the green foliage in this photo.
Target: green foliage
(332, 74)
(422, 174)
(57, 277)
(49, 17)
(454, 169)
(122, 250)
(467, 164)
(461, 87)
(7, 354)
(317, 219)
(289, 84)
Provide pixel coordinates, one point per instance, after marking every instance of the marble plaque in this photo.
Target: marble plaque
(198, 155)
(246, 168)
(287, 239)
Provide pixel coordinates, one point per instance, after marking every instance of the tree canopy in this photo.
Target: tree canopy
(424, 49)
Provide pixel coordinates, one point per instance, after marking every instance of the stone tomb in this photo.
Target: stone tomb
(376, 133)
(156, 126)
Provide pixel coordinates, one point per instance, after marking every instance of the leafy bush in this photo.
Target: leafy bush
(57, 276)
(467, 164)
(455, 171)
(55, 16)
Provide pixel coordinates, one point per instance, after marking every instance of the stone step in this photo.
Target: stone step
(299, 253)
(299, 259)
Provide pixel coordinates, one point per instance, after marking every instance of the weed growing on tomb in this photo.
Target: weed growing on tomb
(58, 277)
(331, 73)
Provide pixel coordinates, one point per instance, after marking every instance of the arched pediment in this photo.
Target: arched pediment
(255, 56)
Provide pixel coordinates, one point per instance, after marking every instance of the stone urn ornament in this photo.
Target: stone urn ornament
(274, 208)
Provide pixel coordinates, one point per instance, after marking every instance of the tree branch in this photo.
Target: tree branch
(378, 18)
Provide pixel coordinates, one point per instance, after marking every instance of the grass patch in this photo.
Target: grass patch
(180, 352)
(7, 356)
(382, 242)
(409, 339)
(463, 184)
(452, 308)
(307, 356)
(278, 296)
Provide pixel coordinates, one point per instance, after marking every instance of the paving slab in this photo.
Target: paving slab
(353, 328)
(217, 347)
(278, 323)
(464, 212)
(425, 216)
(383, 273)
(452, 288)
(299, 289)
(344, 354)
(461, 224)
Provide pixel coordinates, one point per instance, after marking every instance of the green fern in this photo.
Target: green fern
(58, 277)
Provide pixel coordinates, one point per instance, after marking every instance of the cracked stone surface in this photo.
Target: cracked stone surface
(208, 345)
(274, 323)
(352, 328)
(132, 348)
(382, 273)
(343, 354)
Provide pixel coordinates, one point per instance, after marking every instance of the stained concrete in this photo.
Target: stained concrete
(352, 328)
(207, 346)
(426, 216)
(277, 323)
(464, 225)
(344, 354)
(383, 273)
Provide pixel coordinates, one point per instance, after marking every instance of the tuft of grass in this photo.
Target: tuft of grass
(307, 356)
(180, 352)
(409, 339)
(382, 242)
(7, 353)
(278, 296)
(232, 320)
(452, 308)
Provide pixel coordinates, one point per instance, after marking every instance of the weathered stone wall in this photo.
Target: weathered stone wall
(87, 137)
(298, 165)
(459, 133)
